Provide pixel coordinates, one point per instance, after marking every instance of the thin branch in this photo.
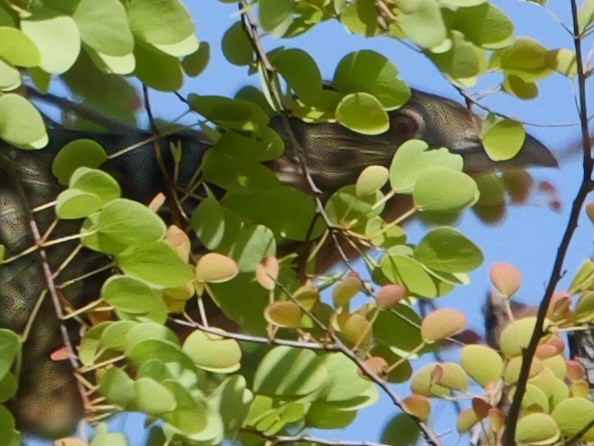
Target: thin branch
(108, 122)
(255, 339)
(584, 189)
(285, 439)
(470, 100)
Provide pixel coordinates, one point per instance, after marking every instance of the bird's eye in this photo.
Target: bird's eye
(403, 126)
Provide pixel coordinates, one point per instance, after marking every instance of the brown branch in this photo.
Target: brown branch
(584, 189)
(285, 439)
(108, 122)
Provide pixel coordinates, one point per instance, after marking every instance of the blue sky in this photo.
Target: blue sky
(529, 235)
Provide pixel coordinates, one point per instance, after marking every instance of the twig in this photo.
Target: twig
(108, 122)
(284, 439)
(470, 100)
(584, 189)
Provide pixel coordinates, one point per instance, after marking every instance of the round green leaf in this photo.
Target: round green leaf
(406, 270)
(445, 249)
(462, 63)
(444, 190)
(129, 295)
(371, 179)
(213, 353)
(195, 63)
(424, 24)
(362, 113)
(21, 124)
(75, 154)
(117, 387)
(75, 203)
(402, 430)
(516, 336)
(360, 17)
(157, 264)
(301, 73)
(10, 77)
(104, 27)
(537, 429)
(21, 51)
(159, 21)
(276, 15)
(502, 138)
(441, 324)
(130, 222)
(96, 182)
(9, 347)
(152, 398)
(236, 46)
(158, 70)
(573, 415)
(56, 36)
(482, 363)
(412, 160)
(369, 72)
(306, 375)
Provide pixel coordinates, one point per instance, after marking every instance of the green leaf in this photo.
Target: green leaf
(213, 353)
(130, 295)
(21, 51)
(412, 160)
(74, 203)
(104, 26)
(525, 58)
(130, 222)
(56, 36)
(8, 387)
(537, 428)
(157, 264)
(401, 431)
(347, 209)
(301, 73)
(519, 88)
(294, 213)
(444, 190)
(163, 22)
(157, 70)
(482, 363)
(117, 387)
(236, 46)
(230, 113)
(462, 63)
(362, 113)
(502, 138)
(232, 399)
(10, 77)
(360, 17)
(445, 249)
(104, 438)
(290, 373)
(407, 271)
(152, 398)
(484, 25)
(371, 180)
(276, 15)
(195, 63)
(21, 124)
(369, 72)
(573, 415)
(10, 346)
(75, 154)
(424, 24)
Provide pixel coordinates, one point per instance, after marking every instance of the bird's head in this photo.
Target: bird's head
(336, 155)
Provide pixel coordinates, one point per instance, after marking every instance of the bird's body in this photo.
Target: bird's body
(48, 402)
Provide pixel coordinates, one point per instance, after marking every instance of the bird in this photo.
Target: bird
(48, 403)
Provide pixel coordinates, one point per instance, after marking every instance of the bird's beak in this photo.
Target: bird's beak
(446, 123)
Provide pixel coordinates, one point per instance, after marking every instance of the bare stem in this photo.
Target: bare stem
(556, 274)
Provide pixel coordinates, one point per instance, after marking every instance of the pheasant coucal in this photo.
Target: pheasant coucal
(48, 402)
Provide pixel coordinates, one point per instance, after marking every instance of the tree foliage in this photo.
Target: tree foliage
(211, 310)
